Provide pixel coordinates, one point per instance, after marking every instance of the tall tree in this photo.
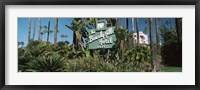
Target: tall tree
(120, 21)
(157, 35)
(116, 25)
(29, 29)
(79, 32)
(179, 28)
(34, 29)
(65, 36)
(42, 33)
(133, 24)
(132, 19)
(22, 44)
(39, 30)
(62, 36)
(48, 30)
(129, 36)
(137, 28)
(55, 31)
(126, 23)
(152, 45)
(45, 31)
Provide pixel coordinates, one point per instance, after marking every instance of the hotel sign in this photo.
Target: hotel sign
(102, 36)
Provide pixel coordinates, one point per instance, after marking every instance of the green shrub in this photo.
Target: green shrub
(46, 64)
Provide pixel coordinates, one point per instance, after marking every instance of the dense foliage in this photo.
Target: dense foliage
(42, 57)
(125, 56)
(171, 49)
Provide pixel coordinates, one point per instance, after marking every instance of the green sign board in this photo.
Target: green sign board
(102, 36)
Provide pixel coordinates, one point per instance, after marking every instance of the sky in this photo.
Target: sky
(23, 27)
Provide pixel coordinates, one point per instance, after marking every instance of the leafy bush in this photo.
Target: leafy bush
(98, 64)
(24, 56)
(43, 57)
(46, 64)
(171, 50)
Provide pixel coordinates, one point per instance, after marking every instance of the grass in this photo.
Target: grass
(171, 69)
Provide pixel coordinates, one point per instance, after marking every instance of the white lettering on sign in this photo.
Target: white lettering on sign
(92, 32)
(109, 31)
(102, 46)
(105, 41)
(102, 35)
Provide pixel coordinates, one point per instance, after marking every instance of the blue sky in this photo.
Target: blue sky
(23, 27)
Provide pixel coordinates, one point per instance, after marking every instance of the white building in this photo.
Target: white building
(143, 38)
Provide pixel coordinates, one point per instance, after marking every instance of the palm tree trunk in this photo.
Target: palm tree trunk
(133, 31)
(133, 24)
(39, 30)
(48, 30)
(74, 46)
(34, 30)
(116, 25)
(157, 35)
(55, 31)
(137, 28)
(41, 37)
(126, 23)
(152, 46)
(122, 48)
(120, 21)
(29, 29)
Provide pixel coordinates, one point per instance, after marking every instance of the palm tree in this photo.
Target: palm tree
(120, 21)
(126, 23)
(62, 36)
(55, 31)
(116, 25)
(152, 45)
(39, 30)
(132, 19)
(137, 28)
(45, 30)
(129, 37)
(45, 27)
(79, 32)
(122, 44)
(65, 37)
(42, 33)
(21, 43)
(121, 34)
(48, 30)
(132, 24)
(157, 35)
(74, 45)
(50, 33)
(34, 29)
(29, 29)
